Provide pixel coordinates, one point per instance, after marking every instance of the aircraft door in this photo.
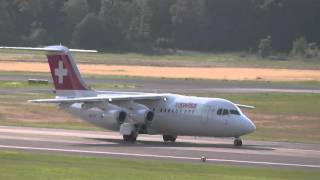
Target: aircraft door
(222, 116)
(205, 114)
(225, 116)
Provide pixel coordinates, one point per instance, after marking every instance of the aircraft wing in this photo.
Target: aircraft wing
(105, 98)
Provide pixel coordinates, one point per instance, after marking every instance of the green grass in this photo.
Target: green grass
(20, 73)
(15, 110)
(22, 98)
(189, 59)
(22, 85)
(16, 165)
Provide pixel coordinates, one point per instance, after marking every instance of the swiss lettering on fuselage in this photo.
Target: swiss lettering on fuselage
(186, 105)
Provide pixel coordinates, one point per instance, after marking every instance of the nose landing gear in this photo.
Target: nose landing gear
(237, 142)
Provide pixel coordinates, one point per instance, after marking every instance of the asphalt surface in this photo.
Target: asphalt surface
(174, 85)
(186, 149)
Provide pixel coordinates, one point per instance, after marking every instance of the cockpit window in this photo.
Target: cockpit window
(219, 112)
(225, 112)
(233, 111)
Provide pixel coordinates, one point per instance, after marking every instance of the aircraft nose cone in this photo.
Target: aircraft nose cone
(248, 126)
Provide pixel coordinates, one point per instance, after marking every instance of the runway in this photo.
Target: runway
(186, 149)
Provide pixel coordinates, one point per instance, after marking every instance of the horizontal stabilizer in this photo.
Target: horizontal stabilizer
(245, 106)
(50, 49)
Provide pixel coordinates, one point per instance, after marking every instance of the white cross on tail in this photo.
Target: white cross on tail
(60, 72)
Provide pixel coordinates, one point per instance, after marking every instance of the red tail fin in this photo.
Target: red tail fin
(65, 73)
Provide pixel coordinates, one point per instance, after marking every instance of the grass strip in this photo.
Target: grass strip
(17, 165)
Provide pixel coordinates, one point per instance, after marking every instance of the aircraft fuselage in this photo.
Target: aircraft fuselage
(182, 115)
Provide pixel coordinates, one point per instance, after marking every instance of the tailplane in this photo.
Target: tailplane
(65, 74)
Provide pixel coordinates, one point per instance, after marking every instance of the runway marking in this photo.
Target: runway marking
(157, 156)
(275, 152)
(52, 140)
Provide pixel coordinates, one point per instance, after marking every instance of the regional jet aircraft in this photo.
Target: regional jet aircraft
(134, 113)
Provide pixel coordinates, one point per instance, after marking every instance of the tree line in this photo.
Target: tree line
(205, 25)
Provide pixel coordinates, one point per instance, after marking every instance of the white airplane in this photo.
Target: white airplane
(134, 113)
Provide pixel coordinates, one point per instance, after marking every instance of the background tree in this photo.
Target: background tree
(8, 30)
(187, 18)
(89, 33)
(160, 22)
(265, 47)
(94, 6)
(74, 11)
(205, 25)
(117, 17)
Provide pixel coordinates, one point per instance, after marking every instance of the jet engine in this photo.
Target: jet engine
(142, 116)
(111, 115)
(114, 116)
(139, 113)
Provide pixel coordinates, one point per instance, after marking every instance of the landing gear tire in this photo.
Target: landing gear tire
(169, 138)
(130, 138)
(237, 142)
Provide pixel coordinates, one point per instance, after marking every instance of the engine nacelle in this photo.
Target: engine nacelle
(142, 116)
(114, 116)
(139, 113)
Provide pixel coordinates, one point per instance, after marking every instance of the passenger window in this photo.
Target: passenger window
(225, 112)
(219, 112)
(233, 111)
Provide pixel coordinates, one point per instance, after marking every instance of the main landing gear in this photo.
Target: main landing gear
(169, 138)
(130, 138)
(237, 142)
